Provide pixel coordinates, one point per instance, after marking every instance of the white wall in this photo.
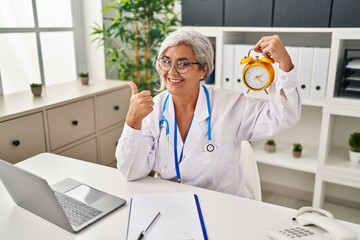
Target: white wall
(95, 61)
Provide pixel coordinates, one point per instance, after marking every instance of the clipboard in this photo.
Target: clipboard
(181, 217)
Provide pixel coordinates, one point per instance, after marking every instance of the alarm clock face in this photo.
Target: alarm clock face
(256, 77)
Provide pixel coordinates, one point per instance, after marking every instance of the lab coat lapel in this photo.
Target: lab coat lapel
(169, 115)
(199, 124)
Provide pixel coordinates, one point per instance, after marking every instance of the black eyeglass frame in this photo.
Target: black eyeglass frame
(175, 64)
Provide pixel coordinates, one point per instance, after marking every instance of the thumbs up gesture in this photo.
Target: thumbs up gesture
(141, 105)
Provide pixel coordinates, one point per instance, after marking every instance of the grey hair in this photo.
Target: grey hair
(204, 52)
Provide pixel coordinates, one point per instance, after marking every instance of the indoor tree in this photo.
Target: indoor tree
(131, 33)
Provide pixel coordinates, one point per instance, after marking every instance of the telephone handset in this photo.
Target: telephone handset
(313, 224)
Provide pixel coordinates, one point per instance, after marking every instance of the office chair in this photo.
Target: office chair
(250, 170)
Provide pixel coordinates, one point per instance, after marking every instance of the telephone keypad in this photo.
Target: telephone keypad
(296, 232)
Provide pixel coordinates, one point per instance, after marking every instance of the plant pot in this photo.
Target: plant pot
(296, 154)
(36, 91)
(270, 148)
(84, 80)
(354, 156)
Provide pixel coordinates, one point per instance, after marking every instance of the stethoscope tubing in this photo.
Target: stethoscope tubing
(209, 147)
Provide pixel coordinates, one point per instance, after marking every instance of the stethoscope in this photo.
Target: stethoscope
(164, 123)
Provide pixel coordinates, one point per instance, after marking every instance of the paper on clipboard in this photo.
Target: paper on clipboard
(180, 217)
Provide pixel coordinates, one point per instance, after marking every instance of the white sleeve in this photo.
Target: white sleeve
(134, 153)
(262, 119)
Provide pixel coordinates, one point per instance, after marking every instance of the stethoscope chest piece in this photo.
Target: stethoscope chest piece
(209, 147)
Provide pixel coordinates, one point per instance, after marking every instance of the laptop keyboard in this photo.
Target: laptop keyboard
(76, 211)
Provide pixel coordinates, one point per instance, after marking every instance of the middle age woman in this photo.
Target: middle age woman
(191, 133)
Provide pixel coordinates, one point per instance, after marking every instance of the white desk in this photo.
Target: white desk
(226, 217)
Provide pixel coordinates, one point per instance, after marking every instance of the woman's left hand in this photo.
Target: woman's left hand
(272, 46)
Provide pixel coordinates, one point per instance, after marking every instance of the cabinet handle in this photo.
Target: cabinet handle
(75, 122)
(238, 80)
(227, 79)
(16, 142)
(303, 86)
(116, 107)
(318, 88)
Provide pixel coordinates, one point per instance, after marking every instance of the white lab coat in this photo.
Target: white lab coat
(234, 117)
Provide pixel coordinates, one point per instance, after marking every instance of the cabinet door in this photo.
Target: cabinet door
(108, 142)
(86, 151)
(22, 138)
(246, 13)
(111, 108)
(301, 13)
(192, 12)
(71, 122)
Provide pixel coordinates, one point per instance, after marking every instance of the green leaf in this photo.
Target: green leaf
(154, 19)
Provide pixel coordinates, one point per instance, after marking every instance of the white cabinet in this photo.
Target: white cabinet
(324, 174)
(111, 108)
(69, 119)
(108, 143)
(71, 122)
(86, 151)
(22, 137)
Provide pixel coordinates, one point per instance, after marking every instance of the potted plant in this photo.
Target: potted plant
(84, 78)
(131, 34)
(354, 143)
(297, 150)
(36, 89)
(270, 146)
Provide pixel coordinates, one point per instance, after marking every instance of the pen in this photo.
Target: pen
(141, 235)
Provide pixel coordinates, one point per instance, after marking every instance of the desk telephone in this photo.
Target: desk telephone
(313, 224)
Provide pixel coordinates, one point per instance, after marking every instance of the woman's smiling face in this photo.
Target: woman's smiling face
(186, 83)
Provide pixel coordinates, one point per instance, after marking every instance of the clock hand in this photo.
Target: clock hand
(258, 78)
(261, 77)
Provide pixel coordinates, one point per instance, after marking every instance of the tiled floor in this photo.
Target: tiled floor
(340, 212)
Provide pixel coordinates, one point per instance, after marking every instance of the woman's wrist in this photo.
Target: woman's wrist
(287, 67)
(133, 124)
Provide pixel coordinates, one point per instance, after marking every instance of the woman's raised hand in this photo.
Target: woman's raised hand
(141, 105)
(273, 46)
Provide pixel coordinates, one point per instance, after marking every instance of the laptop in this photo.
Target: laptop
(68, 204)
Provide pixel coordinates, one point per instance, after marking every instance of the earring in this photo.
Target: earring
(202, 77)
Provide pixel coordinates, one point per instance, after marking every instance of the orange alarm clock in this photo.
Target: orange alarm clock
(258, 73)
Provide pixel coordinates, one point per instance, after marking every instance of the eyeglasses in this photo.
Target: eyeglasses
(181, 66)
